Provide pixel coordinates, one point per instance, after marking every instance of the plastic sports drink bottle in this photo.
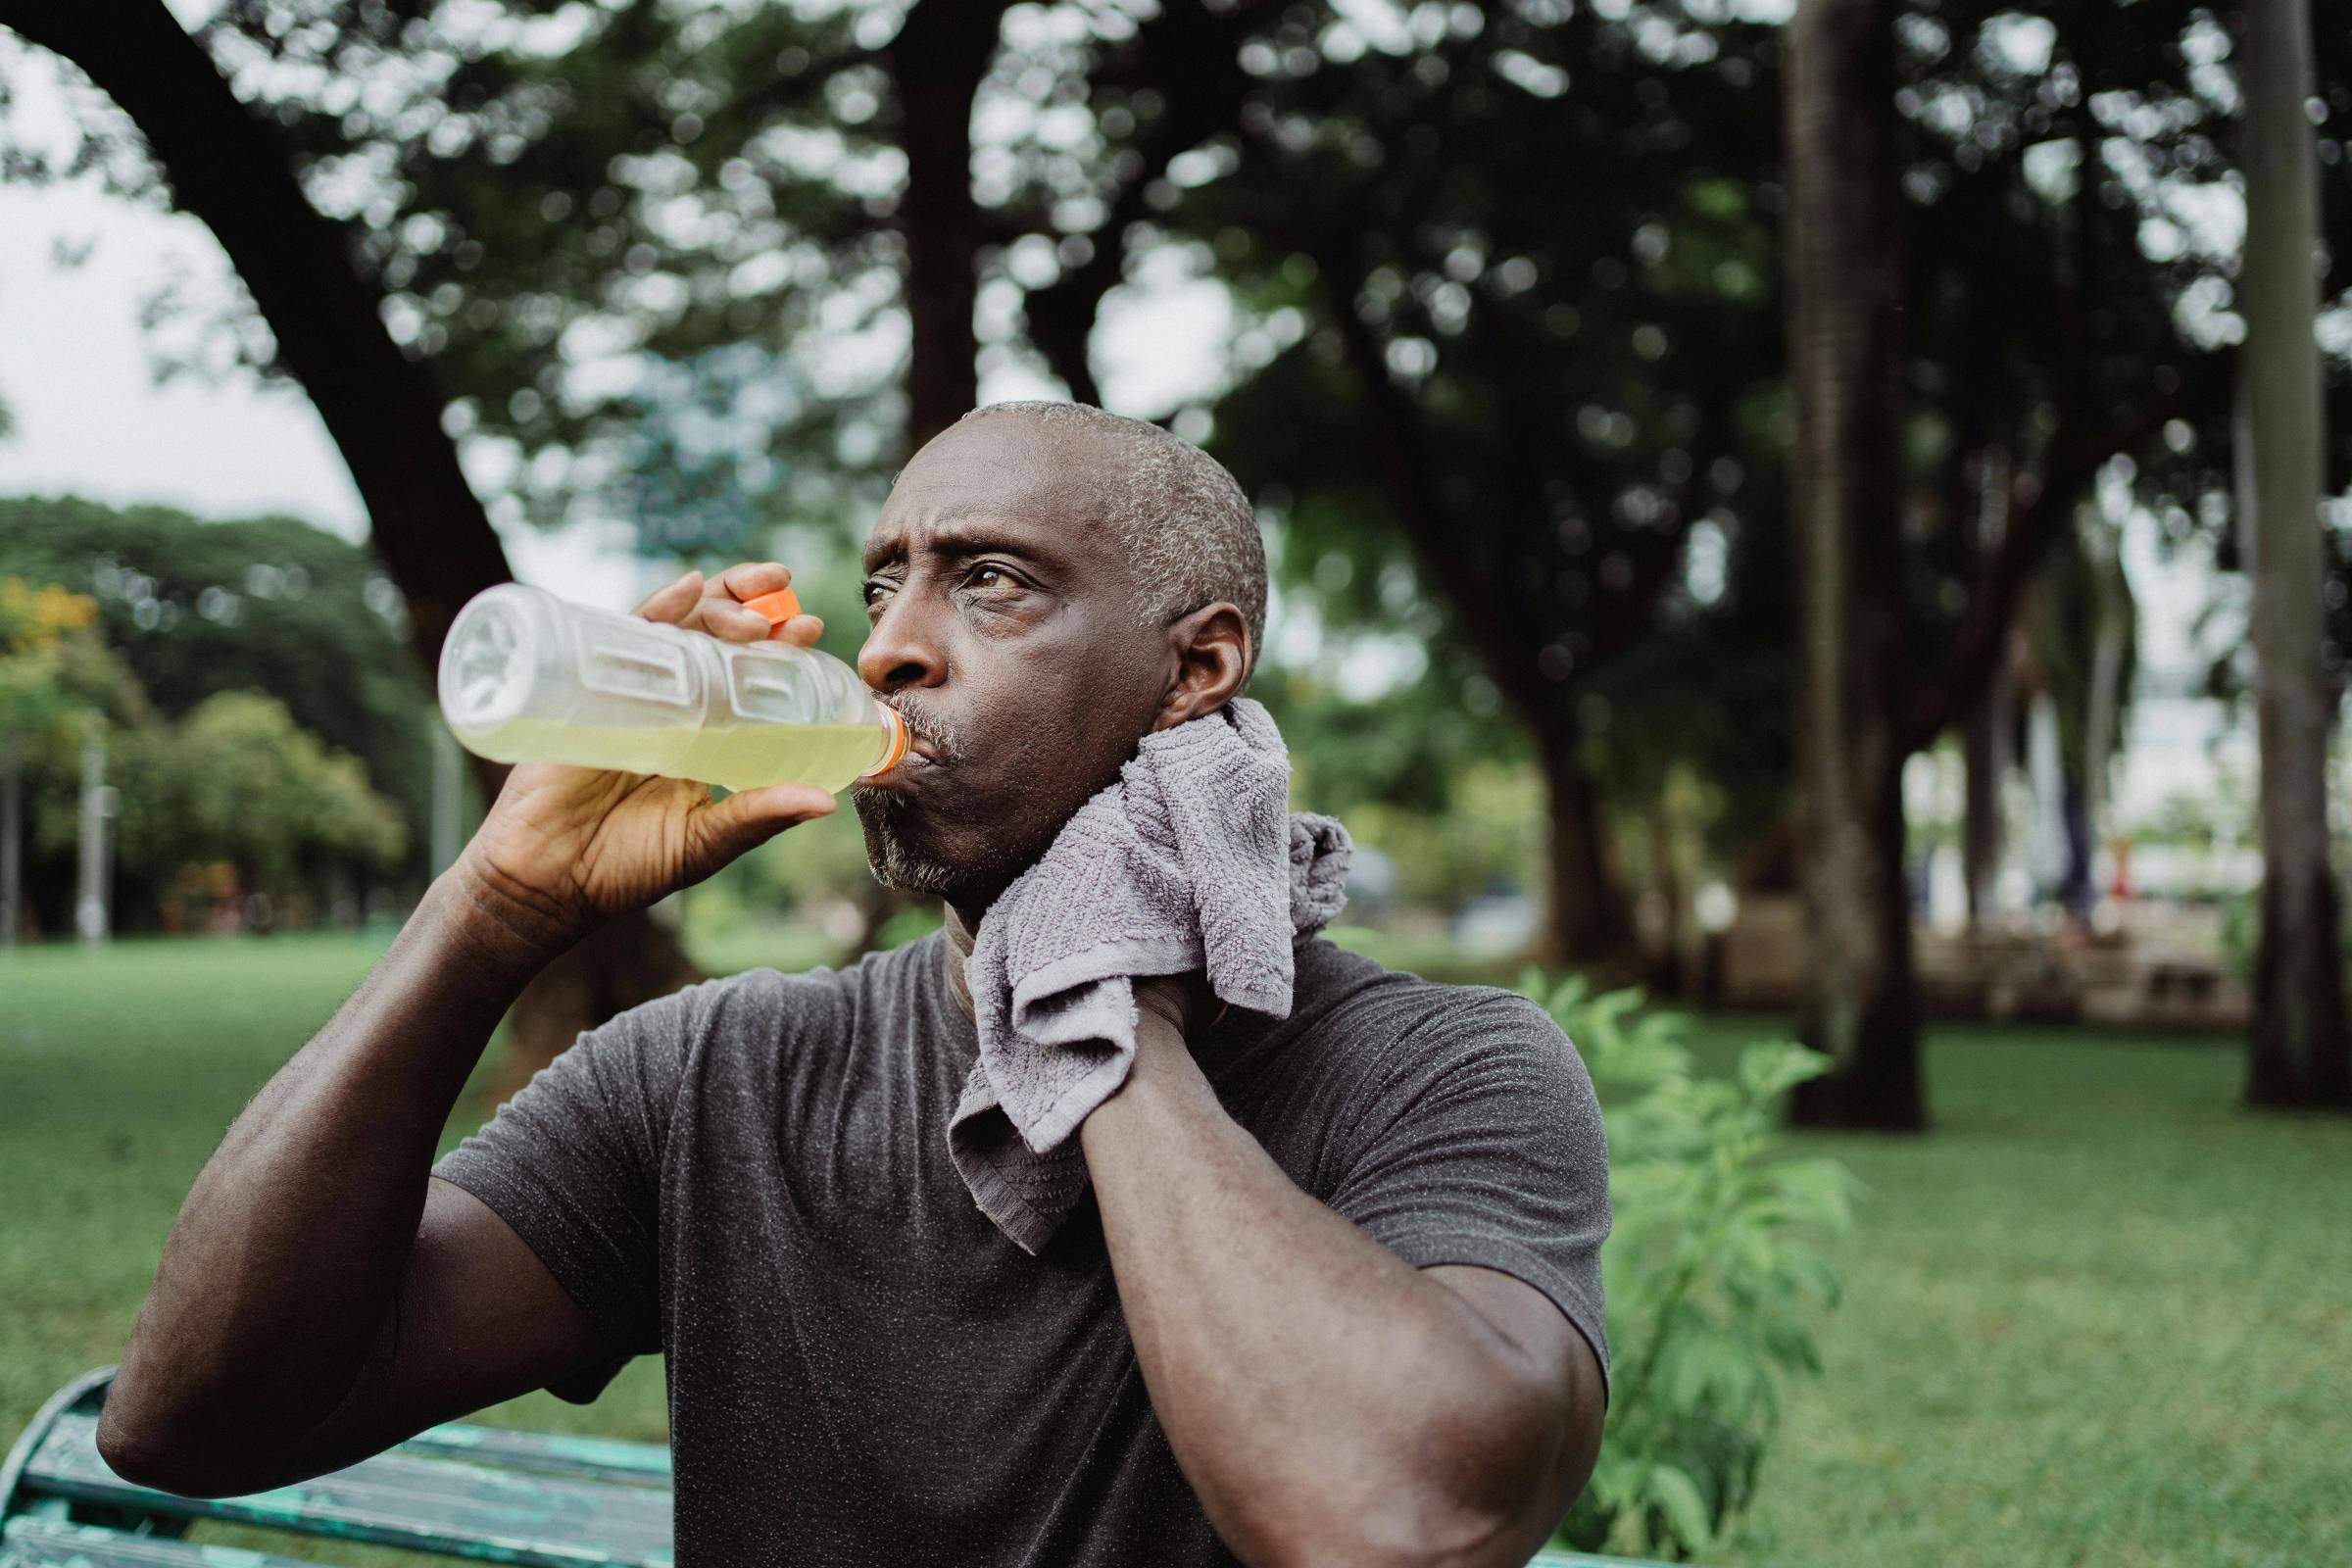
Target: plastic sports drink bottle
(527, 677)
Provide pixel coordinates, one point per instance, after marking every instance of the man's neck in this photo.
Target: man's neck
(959, 925)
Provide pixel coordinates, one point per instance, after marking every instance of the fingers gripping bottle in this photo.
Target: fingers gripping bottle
(527, 677)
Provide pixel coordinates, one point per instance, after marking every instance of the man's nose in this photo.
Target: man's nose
(901, 650)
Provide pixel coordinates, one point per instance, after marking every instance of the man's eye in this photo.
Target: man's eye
(980, 575)
(874, 586)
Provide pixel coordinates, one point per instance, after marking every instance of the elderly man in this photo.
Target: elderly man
(1333, 1297)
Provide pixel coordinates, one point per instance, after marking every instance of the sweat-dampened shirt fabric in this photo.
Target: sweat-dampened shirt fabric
(752, 1177)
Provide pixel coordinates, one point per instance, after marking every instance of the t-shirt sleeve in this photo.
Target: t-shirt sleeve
(1479, 1141)
(572, 1163)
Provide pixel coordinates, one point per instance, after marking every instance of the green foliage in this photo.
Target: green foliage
(1566, 401)
(55, 671)
(249, 681)
(1712, 1271)
(193, 608)
(2242, 933)
(238, 780)
(1490, 835)
(910, 924)
(238, 783)
(1404, 747)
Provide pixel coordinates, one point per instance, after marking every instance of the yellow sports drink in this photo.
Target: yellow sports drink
(527, 677)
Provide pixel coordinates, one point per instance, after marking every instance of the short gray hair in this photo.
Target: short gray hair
(1180, 516)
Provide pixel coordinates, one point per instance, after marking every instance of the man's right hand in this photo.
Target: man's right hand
(566, 847)
(322, 1298)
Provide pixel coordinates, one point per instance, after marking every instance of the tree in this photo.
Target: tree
(228, 168)
(1845, 361)
(2301, 1054)
(1575, 405)
(2047, 337)
(1470, 388)
(225, 166)
(1572, 405)
(38, 697)
(670, 180)
(238, 781)
(270, 604)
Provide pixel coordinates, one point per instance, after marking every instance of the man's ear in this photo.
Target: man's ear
(1208, 653)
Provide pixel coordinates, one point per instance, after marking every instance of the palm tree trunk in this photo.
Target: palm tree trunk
(1845, 311)
(2298, 1052)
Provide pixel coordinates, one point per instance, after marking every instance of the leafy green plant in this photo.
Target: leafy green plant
(1713, 1272)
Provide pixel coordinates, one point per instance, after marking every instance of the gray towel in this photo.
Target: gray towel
(1190, 862)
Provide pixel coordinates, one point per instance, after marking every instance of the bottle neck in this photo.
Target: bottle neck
(896, 746)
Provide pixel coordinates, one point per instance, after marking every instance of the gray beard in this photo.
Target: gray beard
(895, 860)
(899, 860)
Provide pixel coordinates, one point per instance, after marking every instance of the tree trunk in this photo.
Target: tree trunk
(2106, 696)
(2299, 1048)
(229, 170)
(1590, 922)
(1988, 722)
(1845, 310)
(12, 841)
(1671, 975)
(937, 61)
(1984, 751)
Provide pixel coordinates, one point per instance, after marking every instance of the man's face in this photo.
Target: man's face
(1003, 630)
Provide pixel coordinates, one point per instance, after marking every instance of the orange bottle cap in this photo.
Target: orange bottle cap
(778, 607)
(897, 742)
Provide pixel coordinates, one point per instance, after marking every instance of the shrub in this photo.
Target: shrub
(1712, 1272)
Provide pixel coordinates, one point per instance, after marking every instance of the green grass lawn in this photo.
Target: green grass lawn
(2100, 1316)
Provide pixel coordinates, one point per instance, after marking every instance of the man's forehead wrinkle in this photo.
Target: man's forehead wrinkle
(971, 529)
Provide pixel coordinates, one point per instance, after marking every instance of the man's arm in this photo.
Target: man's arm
(1328, 1401)
(320, 1297)
(269, 1343)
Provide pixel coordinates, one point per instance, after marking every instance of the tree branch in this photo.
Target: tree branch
(2040, 506)
(227, 169)
(1190, 56)
(1411, 475)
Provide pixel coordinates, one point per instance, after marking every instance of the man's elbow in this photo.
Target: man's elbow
(148, 1449)
(146, 1455)
(1487, 1494)
(1438, 1534)
(1483, 1505)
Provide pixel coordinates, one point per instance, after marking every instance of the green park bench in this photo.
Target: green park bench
(462, 1491)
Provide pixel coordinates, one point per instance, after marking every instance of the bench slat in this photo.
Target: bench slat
(546, 1452)
(445, 1505)
(30, 1543)
(52, 1544)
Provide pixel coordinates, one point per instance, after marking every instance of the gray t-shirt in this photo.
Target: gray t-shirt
(752, 1177)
